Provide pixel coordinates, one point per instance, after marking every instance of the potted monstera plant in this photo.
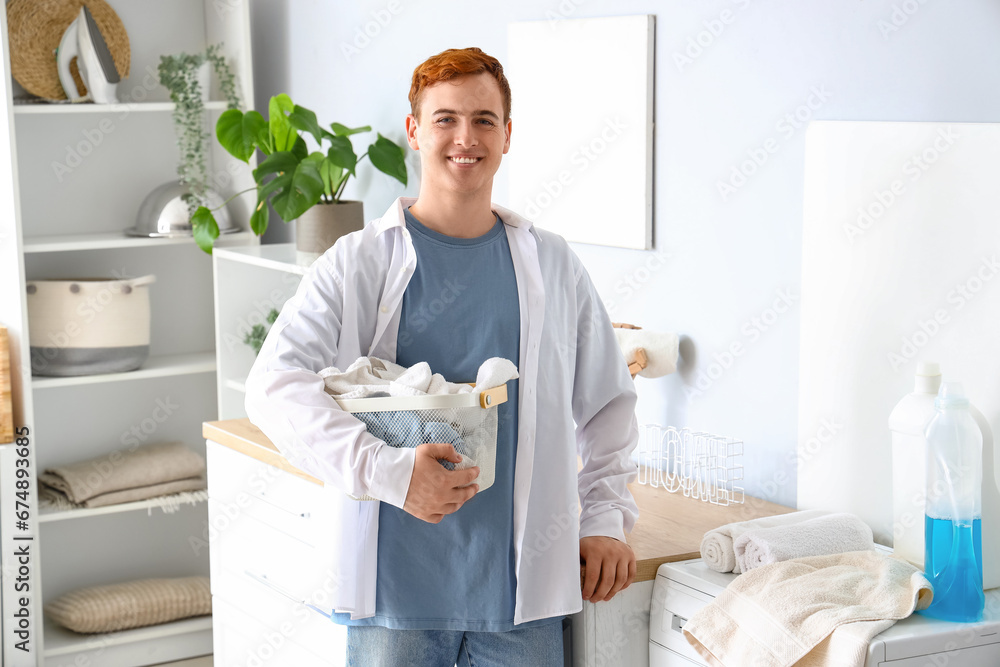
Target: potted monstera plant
(302, 185)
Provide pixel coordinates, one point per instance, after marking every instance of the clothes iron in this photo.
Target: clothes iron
(84, 41)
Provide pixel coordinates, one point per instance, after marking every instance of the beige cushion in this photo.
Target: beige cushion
(132, 604)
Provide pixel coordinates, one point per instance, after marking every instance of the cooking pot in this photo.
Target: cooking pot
(88, 326)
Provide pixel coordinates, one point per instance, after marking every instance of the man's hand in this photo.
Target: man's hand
(610, 567)
(434, 490)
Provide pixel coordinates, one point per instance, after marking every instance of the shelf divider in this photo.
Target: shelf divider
(48, 513)
(156, 366)
(60, 641)
(36, 108)
(102, 240)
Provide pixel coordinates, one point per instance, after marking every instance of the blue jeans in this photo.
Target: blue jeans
(376, 646)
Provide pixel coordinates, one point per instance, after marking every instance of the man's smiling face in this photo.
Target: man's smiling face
(460, 133)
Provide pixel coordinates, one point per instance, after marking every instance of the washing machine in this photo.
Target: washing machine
(684, 587)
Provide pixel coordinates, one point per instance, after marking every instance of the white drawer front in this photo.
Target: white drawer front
(242, 544)
(240, 483)
(672, 605)
(299, 622)
(242, 641)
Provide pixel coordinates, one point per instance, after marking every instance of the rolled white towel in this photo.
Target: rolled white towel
(660, 347)
(822, 536)
(717, 548)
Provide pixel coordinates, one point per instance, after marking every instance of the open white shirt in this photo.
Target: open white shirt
(575, 397)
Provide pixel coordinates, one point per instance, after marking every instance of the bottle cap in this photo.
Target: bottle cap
(928, 368)
(951, 396)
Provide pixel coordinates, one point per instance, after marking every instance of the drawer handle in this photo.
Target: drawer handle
(677, 624)
(262, 578)
(262, 495)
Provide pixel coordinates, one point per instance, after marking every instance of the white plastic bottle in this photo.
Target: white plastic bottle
(909, 463)
(953, 559)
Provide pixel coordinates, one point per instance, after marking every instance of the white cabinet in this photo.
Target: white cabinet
(249, 282)
(271, 552)
(77, 175)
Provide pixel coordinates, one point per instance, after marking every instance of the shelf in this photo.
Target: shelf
(60, 642)
(156, 366)
(98, 241)
(141, 107)
(235, 386)
(46, 514)
(278, 256)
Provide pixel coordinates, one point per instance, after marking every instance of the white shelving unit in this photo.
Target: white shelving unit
(249, 282)
(78, 174)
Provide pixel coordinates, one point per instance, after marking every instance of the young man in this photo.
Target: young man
(436, 572)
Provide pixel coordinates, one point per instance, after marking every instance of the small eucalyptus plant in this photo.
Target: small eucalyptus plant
(179, 75)
(258, 332)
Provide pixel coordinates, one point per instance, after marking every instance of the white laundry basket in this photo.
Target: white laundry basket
(468, 421)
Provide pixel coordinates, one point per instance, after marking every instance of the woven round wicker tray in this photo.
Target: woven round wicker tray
(36, 27)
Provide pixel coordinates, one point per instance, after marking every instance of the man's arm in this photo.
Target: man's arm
(287, 401)
(604, 409)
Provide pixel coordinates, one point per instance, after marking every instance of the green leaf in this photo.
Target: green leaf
(299, 148)
(259, 218)
(282, 132)
(388, 158)
(344, 131)
(282, 164)
(341, 153)
(205, 229)
(274, 185)
(240, 133)
(332, 175)
(300, 193)
(274, 163)
(305, 120)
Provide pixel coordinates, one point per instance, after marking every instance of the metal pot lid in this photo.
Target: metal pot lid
(164, 213)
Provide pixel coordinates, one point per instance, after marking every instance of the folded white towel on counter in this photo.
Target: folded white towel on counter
(820, 611)
(822, 536)
(369, 376)
(718, 551)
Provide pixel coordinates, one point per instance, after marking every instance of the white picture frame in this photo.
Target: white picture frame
(581, 156)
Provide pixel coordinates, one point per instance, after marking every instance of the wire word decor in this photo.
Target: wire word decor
(699, 465)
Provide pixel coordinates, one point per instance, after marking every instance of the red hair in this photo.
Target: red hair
(455, 63)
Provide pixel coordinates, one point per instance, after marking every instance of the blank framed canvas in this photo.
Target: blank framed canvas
(581, 155)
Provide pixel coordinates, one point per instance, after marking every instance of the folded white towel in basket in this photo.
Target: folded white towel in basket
(371, 375)
(717, 548)
(822, 536)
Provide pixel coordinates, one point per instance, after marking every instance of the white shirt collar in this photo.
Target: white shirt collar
(394, 216)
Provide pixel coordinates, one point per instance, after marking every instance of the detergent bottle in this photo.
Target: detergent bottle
(907, 422)
(953, 552)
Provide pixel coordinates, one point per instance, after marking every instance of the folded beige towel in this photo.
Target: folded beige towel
(127, 475)
(718, 551)
(822, 536)
(815, 611)
(133, 604)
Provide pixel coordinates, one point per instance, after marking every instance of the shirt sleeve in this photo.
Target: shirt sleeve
(604, 400)
(286, 398)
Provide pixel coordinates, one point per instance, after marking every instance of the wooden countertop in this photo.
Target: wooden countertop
(669, 528)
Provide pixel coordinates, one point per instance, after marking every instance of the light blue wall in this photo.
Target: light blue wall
(729, 260)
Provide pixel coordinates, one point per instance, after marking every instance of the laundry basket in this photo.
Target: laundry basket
(467, 421)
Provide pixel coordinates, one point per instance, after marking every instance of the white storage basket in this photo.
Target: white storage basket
(467, 421)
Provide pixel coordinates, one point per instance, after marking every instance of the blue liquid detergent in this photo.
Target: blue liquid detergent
(953, 562)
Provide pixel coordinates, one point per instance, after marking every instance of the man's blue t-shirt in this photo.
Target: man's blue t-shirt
(459, 309)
